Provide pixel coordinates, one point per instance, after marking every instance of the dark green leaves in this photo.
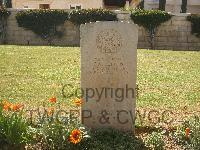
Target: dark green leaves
(91, 15)
(4, 13)
(195, 20)
(42, 22)
(149, 19)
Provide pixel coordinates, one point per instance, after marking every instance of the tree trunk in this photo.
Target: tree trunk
(152, 33)
(1, 3)
(162, 4)
(184, 6)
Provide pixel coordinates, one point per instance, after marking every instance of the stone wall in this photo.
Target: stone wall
(174, 34)
(2, 30)
(20, 36)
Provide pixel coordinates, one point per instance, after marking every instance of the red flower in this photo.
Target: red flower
(16, 107)
(6, 105)
(52, 100)
(187, 132)
(75, 136)
(78, 102)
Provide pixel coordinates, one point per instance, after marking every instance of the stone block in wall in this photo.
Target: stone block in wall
(179, 18)
(189, 28)
(193, 48)
(183, 28)
(167, 23)
(164, 47)
(161, 39)
(140, 33)
(143, 45)
(194, 45)
(172, 39)
(182, 37)
(181, 46)
(163, 33)
(146, 38)
(181, 23)
(163, 27)
(193, 39)
(141, 38)
(172, 33)
(161, 44)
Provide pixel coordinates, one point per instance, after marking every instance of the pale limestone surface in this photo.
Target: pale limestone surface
(108, 74)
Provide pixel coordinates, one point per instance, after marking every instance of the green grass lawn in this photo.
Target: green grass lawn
(32, 74)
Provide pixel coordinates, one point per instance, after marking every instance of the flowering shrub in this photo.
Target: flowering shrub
(14, 130)
(60, 136)
(188, 134)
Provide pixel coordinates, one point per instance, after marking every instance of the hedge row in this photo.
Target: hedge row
(44, 22)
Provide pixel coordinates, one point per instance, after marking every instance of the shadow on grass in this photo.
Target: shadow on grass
(110, 139)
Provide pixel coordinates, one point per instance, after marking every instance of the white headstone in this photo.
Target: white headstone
(108, 74)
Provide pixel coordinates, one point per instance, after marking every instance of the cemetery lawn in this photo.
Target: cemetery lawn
(32, 74)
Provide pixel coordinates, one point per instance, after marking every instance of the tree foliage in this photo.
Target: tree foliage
(195, 20)
(150, 20)
(42, 22)
(4, 13)
(91, 15)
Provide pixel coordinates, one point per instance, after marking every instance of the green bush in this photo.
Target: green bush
(195, 20)
(155, 141)
(4, 13)
(91, 15)
(14, 131)
(111, 139)
(150, 20)
(56, 136)
(193, 142)
(42, 22)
